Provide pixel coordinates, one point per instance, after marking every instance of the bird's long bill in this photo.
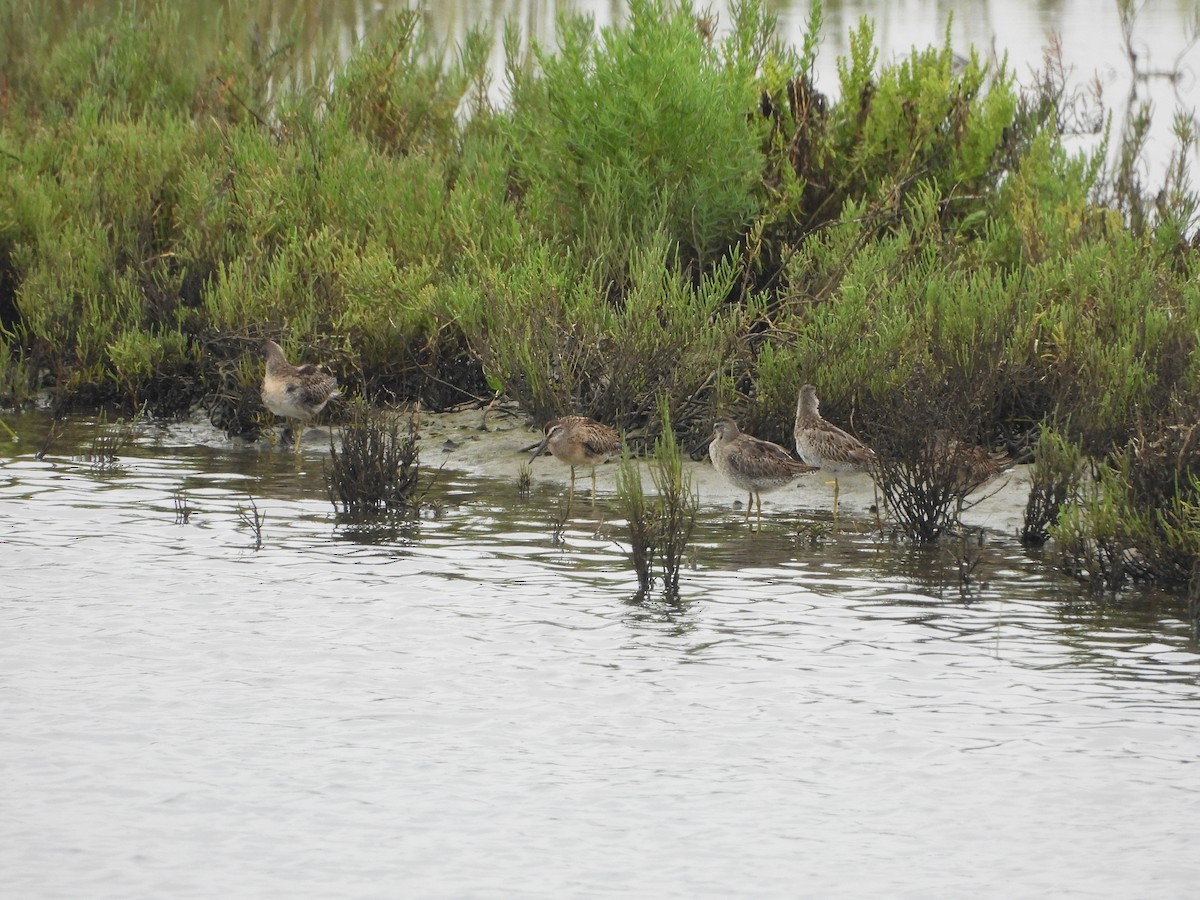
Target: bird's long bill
(541, 448)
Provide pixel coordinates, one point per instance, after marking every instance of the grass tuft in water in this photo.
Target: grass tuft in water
(524, 480)
(253, 518)
(183, 509)
(373, 463)
(109, 441)
(660, 528)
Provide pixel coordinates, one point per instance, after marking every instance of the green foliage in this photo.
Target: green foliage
(661, 528)
(16, 375)
(90, 72)
(924, 124)
(608, 137)
(931, 116)
(138, 355)
(1140, 518)
(137, 62)
(1056, 476)
(562, 340)
(1044, 209)
(401, 95)
(1108, 337)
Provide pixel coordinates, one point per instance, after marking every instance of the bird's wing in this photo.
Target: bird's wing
(761, 458)
(313, 389)
(599, 443)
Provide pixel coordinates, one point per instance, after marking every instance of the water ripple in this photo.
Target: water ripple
(495, 705)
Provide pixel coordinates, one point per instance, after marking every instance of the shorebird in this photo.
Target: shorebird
(294, 392)
(754, 465)
(822, 444)
(970, 465)
(578, 441)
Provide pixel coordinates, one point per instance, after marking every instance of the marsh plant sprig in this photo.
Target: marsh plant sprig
(524, 480)
(183, 507)
(659, 528)
(373, 463)
(109, 441)
(253, 518)
(12, 435)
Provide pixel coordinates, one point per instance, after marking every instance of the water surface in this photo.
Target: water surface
(468, 706)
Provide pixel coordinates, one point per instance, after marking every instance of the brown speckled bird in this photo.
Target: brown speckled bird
(822, 444)
(578, 441)
(294, 392)
(971, 465)
(756, 466)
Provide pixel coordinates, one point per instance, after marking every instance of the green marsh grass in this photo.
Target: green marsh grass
(659, 527)
(1057, 476)
(183, 506)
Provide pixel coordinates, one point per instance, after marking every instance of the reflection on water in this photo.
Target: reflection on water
(471, 708)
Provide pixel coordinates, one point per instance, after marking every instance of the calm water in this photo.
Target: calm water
(470, 708)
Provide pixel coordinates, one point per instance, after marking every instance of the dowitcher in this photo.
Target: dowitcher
(754, 465)
(821, 443)
(578, 441)
(971, 466)
(294, 392)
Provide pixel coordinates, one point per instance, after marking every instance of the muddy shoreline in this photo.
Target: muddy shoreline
(495, 446)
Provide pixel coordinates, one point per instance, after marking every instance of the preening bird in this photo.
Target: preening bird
(294, 392)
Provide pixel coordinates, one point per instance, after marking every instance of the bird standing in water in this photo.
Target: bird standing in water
(754, 465)
(294, 392)
(578, 441)
(821, 443)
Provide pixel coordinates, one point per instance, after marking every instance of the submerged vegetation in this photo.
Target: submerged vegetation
(658, 210)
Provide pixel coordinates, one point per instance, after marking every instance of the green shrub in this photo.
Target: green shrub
(560, 341)
(402, 95)
(1056, 477)
(641, 128)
